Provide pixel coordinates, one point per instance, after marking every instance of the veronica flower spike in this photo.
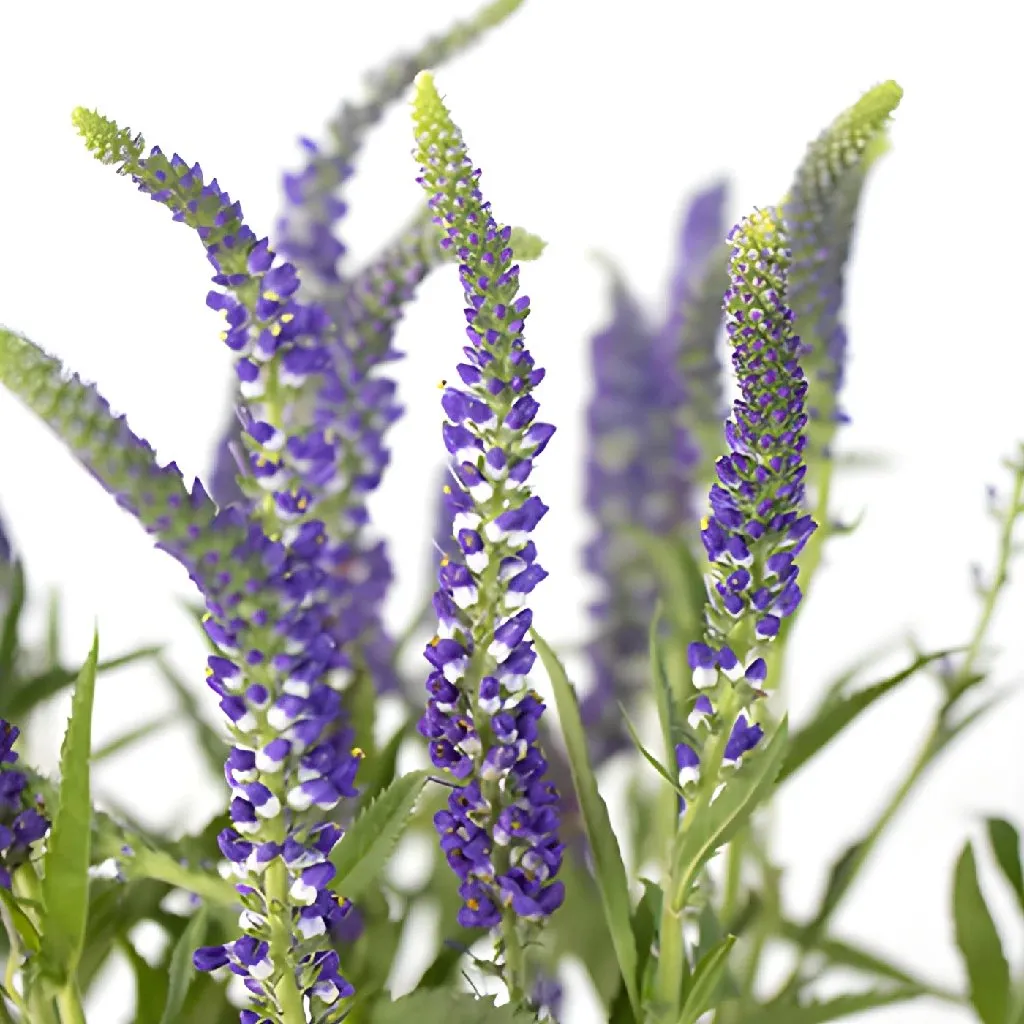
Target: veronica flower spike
(500, 831)
(756, 526)
(278, 667)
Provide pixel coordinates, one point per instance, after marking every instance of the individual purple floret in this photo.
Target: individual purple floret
(500, 831)
(22, 825)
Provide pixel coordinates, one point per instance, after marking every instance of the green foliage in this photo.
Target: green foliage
(65, 886)
(837, 712)
(705, 834)
(979, 943)
(1005, 842)
(819, 1012)
(609, 871)
(446, 1007)
(705, 980)
(181, 971)
(366, 846)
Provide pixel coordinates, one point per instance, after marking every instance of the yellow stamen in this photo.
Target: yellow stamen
(272, 296)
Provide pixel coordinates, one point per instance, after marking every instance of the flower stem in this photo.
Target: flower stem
(515, 963)
(285, 988)
(69, 1004)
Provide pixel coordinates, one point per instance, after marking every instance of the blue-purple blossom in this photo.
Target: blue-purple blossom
(656, 394)
(500, 830)
(279, 669)
(23, 824)
(757, 525)
(634, 478)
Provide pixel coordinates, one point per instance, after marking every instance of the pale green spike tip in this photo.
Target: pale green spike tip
(763, 230)
(109, 143)
(426, 100)
(875, 107)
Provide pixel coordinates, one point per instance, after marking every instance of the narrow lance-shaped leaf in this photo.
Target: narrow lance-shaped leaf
(838, 713)
(365, 848)
(1005, 842)
(608, 867)
(181, 972)
(980, 946)
(825, 1010)
(65, 887)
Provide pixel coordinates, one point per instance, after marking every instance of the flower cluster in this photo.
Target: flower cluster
(21, 823)
(819, 214)
(756, 527)
(306, 230)
(631, 451)
(656, 395)
(499, 832)
(279, 666)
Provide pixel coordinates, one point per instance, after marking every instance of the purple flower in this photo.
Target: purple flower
(307, 228)
(279, 666)
(500, 831)
(22, 826)
(756, 526)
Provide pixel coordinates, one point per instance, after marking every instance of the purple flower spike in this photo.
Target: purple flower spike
(756, 525)
(22, 827)
(500, 832)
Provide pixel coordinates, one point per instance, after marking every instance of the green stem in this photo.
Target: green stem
(1004, 553)
(69, 1004)
(515, 962)
(286, 988)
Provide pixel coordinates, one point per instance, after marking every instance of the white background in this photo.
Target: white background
(592, 121)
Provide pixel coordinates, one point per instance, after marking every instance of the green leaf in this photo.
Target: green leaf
(839, 953)
(697, 843)
(22, 923)
(367, 845)
(441, 1006)
(381, 773)
(15, 590)
(707, 975)
(65, 887)
(1005, 842)
(835, 715)
(144, 861)
(647, 755)
(987, 971)
(608, 867)
(832, 1009)
(181, 971)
